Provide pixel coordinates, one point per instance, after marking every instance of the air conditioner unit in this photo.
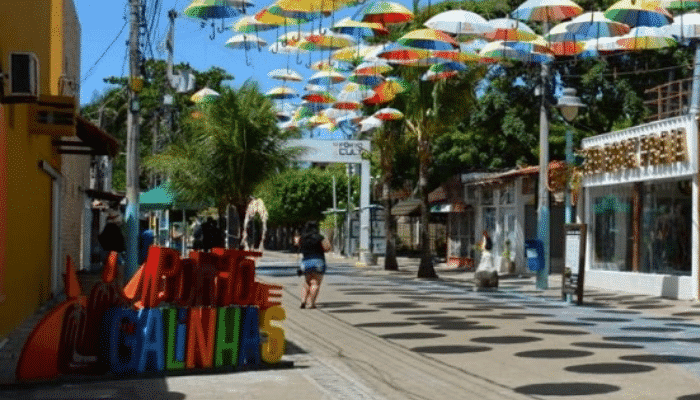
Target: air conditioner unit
(23, 77)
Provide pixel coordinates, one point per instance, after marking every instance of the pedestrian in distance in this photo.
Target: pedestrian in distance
(211, 235)
(486, 262)
(111, 238)
(313, 262)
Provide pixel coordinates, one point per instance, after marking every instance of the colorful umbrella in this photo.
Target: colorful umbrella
(276, 48)
(639, 13)
(324, 65)
(686, 26)
(379, 98)
(359, 29)
(318, 119)
(398, 52)
(281, 93)
(319, 97)
(388, 114)
(502, 51)
(646, 38)
(679, 4)
(356, 92)
(347, 104)
(266, 16)
(368, 80)
(509, 29)
(387, 13)
(248, 24)
(593, 48)
(429, 39)
(215, 9)
(473, 46)
(285, 75)
(591, 25)
(448, 55)
(459, 22)
(546, 10)
(309, 6)
(205, 95)
(393, 86)
(245, 42)
(373, 68)
(443, 71)
(327, 77)
(328, 40)
(291, 38)
(354, 53)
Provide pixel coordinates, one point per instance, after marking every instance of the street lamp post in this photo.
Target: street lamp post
(568, 104)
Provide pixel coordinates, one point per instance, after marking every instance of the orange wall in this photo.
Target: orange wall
(43, 27)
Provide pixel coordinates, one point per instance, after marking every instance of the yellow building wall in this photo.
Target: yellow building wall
(37, 26)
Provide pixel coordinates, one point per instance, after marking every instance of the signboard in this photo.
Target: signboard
(343, 151)
(574, 260)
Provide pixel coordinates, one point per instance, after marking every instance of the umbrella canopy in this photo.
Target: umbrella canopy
(266, 16)
(213, 9)
(639, 13)
(546, 10)
(291, 38)
(354, 53)
(500, 51)
(593, 48)
(388, 114)
(328, 40)
(285, 75)
(680, 4)
(353, 28)
(281, 92)
(459, 22)
(309, 6)
(205, 95)
(278, 48)
(509, 29)
(453, 55)
(368, 80)
(327, 77)
(163, 197)
(646, 38)
(370, 123)
(324, 65)
(686, 26)
(373, 68)
(430, 39)
(355, 92)
(386, 13)
(347, 104)
(392, 86)
(590, 25)
(248, 24)
(398, 52)
(246, 42)
(319, 97)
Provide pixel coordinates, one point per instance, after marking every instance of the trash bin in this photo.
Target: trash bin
(534, 255)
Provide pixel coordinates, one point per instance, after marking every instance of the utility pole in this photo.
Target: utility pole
(132, 141)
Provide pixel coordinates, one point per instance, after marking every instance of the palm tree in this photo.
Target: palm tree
(385, 141)
(431, 109)
(228, 147)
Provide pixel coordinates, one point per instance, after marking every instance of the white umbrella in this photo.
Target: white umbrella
(686, 26)
(285, 74)
(459, 22)
(370, 123)
(246, 42)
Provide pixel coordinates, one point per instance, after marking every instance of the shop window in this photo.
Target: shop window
(612, 230)
(507, 194)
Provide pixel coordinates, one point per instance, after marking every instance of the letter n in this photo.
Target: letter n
(200, 337)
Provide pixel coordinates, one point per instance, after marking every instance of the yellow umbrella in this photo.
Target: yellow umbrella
(264, 16)
(354, 53)
(248, 24)
(330, 40)
(310, 6)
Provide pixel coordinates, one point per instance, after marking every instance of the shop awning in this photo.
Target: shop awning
(408, 207)
(92, 141)
(163, 198)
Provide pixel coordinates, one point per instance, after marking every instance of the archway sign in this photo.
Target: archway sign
(346, 152)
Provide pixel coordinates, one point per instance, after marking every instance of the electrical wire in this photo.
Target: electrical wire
(91, 70)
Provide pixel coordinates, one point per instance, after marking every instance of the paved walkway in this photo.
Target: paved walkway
(388, 335)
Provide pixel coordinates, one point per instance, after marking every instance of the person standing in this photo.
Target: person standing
(111, 237)
(486, 262)
(313, 262)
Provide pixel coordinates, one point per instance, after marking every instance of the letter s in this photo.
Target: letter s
(272, 349)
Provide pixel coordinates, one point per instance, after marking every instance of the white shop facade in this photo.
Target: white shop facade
(640, 203)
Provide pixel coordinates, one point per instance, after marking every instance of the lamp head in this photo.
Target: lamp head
(569, 104)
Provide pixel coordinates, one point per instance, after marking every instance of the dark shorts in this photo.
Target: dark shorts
(317, 265)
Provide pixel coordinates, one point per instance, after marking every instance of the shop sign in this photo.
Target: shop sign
(649, 150)
(202, 312)
(664, 149)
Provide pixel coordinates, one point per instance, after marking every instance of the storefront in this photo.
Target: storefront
(640, 192)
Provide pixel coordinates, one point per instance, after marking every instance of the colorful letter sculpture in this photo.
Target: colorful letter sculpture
(205, 311)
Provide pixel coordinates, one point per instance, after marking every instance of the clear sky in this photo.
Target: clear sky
(101, 22)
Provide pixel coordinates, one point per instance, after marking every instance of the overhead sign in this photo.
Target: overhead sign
(343, 151)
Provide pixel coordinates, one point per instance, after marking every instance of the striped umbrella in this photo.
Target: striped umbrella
(646, 38)
(215, 9)
(639, 13)
(281, 93)
(387, 13)
(327, 77)
(319, 97)
(502, 51)
(546, 10)
(245, 42)
(591, 25)
(388, 114)
(397, 52)
(594, 48)
(373, 68)
(429, 39)
(680, 4)
(509, 29)
(267, 16)
(359, 29)
(248, 24)
(354, 54)
(368, 80)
